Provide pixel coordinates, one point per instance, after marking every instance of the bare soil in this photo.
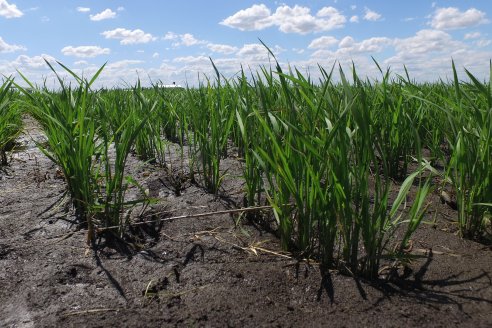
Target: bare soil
(213, 271)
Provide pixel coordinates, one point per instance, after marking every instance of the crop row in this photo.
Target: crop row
(323, 153)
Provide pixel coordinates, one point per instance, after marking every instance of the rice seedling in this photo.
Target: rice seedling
(149, 143)
(82, 127)
(10, 119)
(393, 118)
(469, 134)
(320, 151)
(171, 114)
(121, 123)
(67, 119)
(427, 120)
(363, 202)
(248, 136)
(212, 120)
(174, 117)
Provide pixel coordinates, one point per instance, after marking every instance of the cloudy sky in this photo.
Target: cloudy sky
(173, 40)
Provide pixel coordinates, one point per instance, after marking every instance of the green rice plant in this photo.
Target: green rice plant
(171, 115)
(211, 122)
(67, 119)
(178, 106)
(295, 166)
(393, 118)
(149, 144)
(90, 135)
(293, 157)
(201, 148)
(427, 121)
(321, 147)
(469, 110)
(121, 122)
(369, 213)
(249, 135)
(10, 119)
(261, 96)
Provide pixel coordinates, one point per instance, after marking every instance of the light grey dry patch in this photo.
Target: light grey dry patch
(15, 315)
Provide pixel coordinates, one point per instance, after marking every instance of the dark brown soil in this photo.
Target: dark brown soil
(212, 271)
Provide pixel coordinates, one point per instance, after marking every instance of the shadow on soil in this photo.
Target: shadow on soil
(410, 284)
(423, 290)
(413, 285)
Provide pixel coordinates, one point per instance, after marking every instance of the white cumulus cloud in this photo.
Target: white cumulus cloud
(349, 48)
(452, 18)
(299, 20)
(354, 19)
(472, 35)
(255, 52)
(371, 15)
(171, 36)
(252, 49)
(296, 19)
(123, 64)
(482, 43)
(346, 42)
(5, 47)
(85, 51)
(105, 14)
(425, 42)
(222, 48)
(428, 54)
(185, 39)
(257, 17)
(35, 62)
(188, 40)
(127, 37)
(373, 45)
(192, 60)
(323, 42)
(9, 10)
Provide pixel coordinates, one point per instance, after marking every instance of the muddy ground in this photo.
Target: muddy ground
(213, 271)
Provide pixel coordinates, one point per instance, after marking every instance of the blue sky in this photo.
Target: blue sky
(173, 40)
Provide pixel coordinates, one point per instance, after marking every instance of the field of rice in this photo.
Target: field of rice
(266, 199)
